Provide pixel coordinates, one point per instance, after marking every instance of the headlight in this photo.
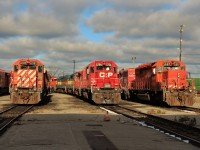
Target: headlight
(190, 90)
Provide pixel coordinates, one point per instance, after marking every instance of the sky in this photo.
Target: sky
(57, 32)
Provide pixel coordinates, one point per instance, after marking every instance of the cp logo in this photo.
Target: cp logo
(103, 74)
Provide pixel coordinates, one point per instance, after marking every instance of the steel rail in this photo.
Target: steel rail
(10, 120)
(157, 122)
(7, 109)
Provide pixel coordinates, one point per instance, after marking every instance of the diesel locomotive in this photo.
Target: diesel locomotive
(30, 82)
(98, 82)
(162, 81)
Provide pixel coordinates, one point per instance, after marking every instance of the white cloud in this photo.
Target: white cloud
(147, 30)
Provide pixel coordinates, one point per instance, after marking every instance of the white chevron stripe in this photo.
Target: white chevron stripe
(26, 78)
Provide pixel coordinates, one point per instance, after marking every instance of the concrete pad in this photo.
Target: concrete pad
(64, 123)
(67, 132)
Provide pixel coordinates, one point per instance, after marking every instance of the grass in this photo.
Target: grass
(186, 120)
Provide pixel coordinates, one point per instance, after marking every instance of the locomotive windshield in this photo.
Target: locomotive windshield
(103, 67)
(24, 65)
(171, 66)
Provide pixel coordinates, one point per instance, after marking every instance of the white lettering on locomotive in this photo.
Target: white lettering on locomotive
(178, 74)
(105, 74)
(110, 74)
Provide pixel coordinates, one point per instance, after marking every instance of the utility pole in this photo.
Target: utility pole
(181, 31)
(74, 65)
(133, 59)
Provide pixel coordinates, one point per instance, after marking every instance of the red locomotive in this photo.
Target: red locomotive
(4, 81)
(29, 82)
(53, 84)
(160, 81)
(126, 78)
(98, 82)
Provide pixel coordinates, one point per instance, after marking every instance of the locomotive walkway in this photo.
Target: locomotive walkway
(69, 123)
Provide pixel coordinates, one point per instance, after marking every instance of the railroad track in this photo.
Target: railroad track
(173, 108)
(8, 116)
(192, 109)
(185, 132)
(7, 109)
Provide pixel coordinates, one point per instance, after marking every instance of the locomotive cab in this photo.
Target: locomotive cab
(101, 74)
(171, 75)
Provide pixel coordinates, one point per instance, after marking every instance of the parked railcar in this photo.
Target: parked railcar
(70, 85)
(161, 81)
(53, 84)
(29, 82)
(196, 83)
(4, 81)
(62, 84)
(126, 78)
(98, 82)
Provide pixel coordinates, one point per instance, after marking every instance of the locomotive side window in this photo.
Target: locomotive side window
(39, 68)
(76, 76)
(159, 69)
(91, 69)
(87, 70)
(182, 68)
(87, 73)
(115, 70)
(15, 68)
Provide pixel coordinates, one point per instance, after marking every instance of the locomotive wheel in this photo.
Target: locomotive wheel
(89, 95)
(123, 95)
(135, 97)
(153, 99)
